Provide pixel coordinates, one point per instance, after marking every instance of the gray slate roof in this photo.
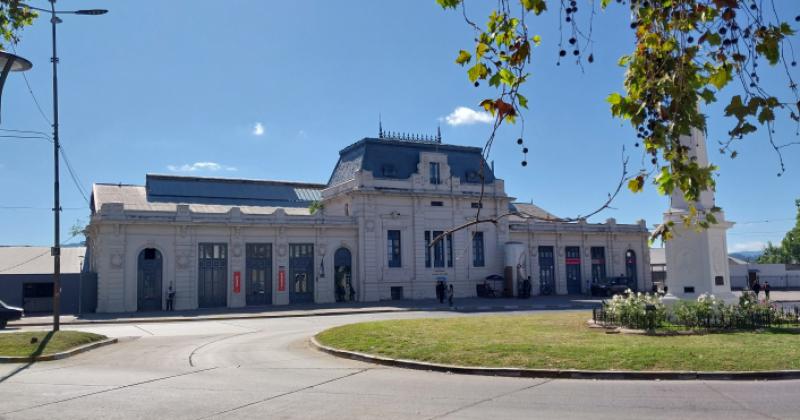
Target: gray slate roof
(532, 210)
(37, 260)
(397, 159)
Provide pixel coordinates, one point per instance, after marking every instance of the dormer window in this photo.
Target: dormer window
(388, 171)
(434, 172)
(473, 177)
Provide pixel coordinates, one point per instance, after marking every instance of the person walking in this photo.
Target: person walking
(440, 291)
(450, 295)
(170, 299)
(756, 288)
(766, 290)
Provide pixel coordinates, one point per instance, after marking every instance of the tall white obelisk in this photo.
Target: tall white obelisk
(697, 260)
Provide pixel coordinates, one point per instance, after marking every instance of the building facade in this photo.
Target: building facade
(26, 279)
(365, 235)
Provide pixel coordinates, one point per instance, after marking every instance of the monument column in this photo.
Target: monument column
(697, 261)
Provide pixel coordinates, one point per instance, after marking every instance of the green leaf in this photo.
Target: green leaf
(478, 71)
(765, 115)
(708, 96)
(481, 49)
(448, 4)
(507, 77)
(537, 40)
(463, 57)
(523, 101)
(720, 77)
(537, 6)
(614, 99)
(494, 80)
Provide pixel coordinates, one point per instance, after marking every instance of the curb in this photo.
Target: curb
(467, 309)
(61, 355)
(560, 373)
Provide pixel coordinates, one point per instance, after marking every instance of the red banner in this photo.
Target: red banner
(237, 282)
(282, 279)
(573, 261)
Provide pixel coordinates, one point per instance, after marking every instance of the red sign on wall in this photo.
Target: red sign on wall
(282, 279)
(237, 282)
(573, 261)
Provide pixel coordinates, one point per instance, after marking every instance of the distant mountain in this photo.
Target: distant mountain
(749, 256)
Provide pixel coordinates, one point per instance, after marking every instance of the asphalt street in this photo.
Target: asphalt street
(265, 368)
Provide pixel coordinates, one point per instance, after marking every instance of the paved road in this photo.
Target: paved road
(264, 368)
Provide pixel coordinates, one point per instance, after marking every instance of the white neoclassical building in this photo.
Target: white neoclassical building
(237, 242)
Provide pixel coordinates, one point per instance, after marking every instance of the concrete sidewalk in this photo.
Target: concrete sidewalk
(283, 311)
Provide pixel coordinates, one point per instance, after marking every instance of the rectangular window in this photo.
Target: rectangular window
(434, 169)
(477, 250)
(393, 248)
(438, 250)
(477, 205)
(449, 250)
(547, 269)
(427, 248)
(437, 203)
(598, 264)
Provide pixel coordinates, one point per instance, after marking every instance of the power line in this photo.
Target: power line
(38, 208)
(30, 90)
(33, 258)
(16, 137)
(764, 221)
(42, 133)
(75, 179)
(24, 262)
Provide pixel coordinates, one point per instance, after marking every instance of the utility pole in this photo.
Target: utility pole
(56, 252)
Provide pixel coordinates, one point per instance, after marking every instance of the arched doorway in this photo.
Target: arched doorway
(343, 276)
(630, 269)
(149, 280)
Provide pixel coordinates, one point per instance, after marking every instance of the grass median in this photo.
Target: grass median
(563, 341)
(42, 343)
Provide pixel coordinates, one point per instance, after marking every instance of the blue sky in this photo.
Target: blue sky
(275, 89)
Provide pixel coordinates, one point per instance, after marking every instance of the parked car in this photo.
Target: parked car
(611, 287)
(9, 313)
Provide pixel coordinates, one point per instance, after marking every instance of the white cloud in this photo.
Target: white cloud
(200, 166)
(748, 246)
(467, 116)
(258, 129)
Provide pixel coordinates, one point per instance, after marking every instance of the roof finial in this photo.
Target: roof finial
(380, 127)
(438, 133)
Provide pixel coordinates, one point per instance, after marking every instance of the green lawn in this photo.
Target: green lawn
(562, 341)
(18, 344)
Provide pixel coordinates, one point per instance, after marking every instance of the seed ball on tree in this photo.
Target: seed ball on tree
(519, 140)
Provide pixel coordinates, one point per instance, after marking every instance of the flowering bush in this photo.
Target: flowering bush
(631, 310)
(705, 312)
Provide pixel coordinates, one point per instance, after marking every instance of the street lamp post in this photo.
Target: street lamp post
(56, 250)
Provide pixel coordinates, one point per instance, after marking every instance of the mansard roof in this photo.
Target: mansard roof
(398, 159)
